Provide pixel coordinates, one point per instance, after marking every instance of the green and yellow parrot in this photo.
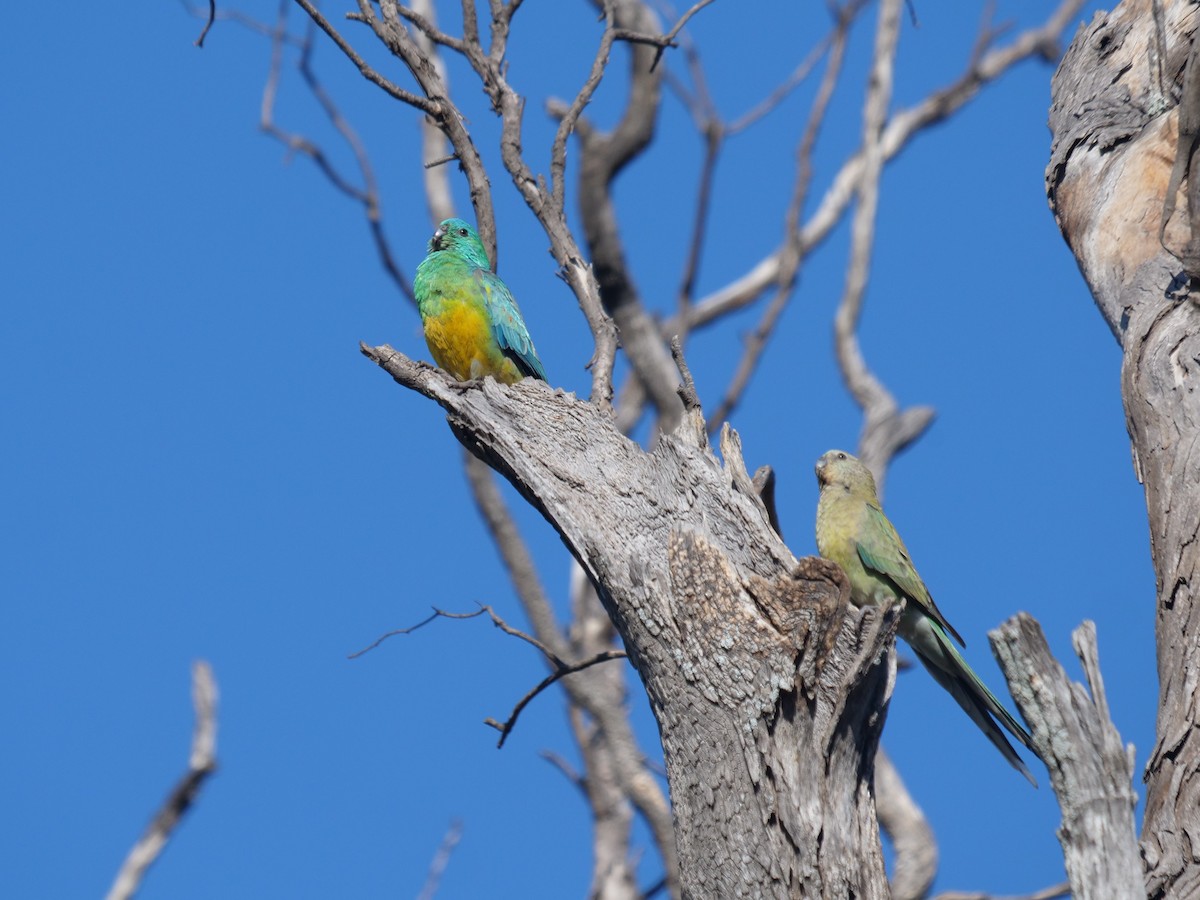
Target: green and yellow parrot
(853, 532)
(472, 323)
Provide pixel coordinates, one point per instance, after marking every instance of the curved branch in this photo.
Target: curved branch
(900, 130)
(202, 762)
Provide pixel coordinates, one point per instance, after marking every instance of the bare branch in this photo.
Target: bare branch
(1058, 890)
(767, 105)
(662, 41)
(441, 859)
(367, 72)
(602, 157)
(202, 762)
(561, 671)
(886, 430)
(912, 838)
(564, 767)
(368, 195)
(212, 16)
(423, 16)
(1091, 771)
(687, 390)
(558, 152)
(434, 145)
(515, 554)
(900, 130)
(442, 614)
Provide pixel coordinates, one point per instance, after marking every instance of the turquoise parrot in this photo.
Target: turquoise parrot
(853, 532)
(472, 323)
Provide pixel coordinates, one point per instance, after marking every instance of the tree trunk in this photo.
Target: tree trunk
(768, 687)
(1115, 123)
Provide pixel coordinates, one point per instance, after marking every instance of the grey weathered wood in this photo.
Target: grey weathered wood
(768, 687)
(1114, 123)
(1091, 771)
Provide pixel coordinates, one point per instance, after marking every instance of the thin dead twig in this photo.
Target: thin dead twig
(561, 671)
(208, 23)
(368, 195)
(484, 609)
(558, 150)
(793, 253)
(514, 553)
(886, 430)
(901, 128)
(202, 762)
(364, 69)
(661, 41)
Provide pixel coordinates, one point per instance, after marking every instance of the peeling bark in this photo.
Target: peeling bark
(768, 687)
(1115, 124)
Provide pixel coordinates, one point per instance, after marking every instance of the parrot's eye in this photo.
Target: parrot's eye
(463, 232)
(841, 456)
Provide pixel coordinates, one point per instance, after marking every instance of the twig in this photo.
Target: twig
(567, 770)
(793, 252)
(687, 390)
(442, 614)
(902, 127)
(561, 670)
(366, 196)
(201, 764)
(436, 614)
(428, 27)
(515, 554)
(603, 156)
(886, 430)
(558, 150)
(708, 121)
(441, 859)
(367, 72)
(794, 80)
(212, 17)
(661, 41)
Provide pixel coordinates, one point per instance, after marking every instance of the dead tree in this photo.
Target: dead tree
(1124, 185)
(768, 688)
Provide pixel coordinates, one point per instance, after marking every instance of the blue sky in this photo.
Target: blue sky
(201, 465)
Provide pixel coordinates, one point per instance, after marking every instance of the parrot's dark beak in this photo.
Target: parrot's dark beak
(819, 468)
(435, 242)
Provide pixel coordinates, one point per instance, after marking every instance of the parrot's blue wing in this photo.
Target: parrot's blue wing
(507, 325)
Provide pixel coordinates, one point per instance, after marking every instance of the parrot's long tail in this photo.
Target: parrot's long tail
(937, 652)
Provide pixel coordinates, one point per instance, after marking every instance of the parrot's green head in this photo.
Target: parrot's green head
(838, 469)
(457, 237)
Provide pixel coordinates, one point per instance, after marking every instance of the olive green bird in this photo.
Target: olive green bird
(471, 321)
(853, 532)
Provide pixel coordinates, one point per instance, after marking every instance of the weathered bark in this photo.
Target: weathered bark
(1090, 770)
(1115, 122)
(768, 688)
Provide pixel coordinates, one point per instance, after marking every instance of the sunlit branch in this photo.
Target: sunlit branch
(903, 126)
(202, 762)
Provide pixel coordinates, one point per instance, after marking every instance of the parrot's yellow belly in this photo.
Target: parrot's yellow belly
(461, 341)
(837, 525)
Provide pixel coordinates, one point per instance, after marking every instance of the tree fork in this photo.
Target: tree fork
(768, 687)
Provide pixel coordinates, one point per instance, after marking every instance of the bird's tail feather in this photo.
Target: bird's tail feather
(951, 671)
